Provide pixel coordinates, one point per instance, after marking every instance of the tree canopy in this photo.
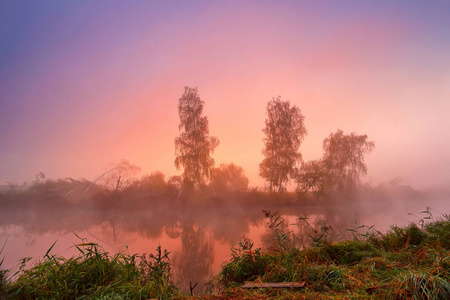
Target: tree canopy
(344, 159)
(193, 147)
(311, 176)
(228, 178)
(284, 132)
(341, 166)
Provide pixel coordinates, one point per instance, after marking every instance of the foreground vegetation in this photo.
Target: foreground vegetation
(93, 274)
(412, 262)
(406, 263)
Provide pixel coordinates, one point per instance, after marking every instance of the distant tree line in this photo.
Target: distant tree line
(339, 170)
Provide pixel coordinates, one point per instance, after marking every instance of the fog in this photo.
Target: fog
(198, 229)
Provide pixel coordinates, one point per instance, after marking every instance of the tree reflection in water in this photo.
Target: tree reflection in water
(189, 230)
(112, 233)
(193, 262)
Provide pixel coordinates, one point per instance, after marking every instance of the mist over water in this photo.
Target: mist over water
(199, 232)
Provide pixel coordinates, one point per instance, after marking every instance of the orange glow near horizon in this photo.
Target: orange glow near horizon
(102, 84)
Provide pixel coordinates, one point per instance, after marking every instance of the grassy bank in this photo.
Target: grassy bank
(406, 263)
(93, 274)
(412, 262)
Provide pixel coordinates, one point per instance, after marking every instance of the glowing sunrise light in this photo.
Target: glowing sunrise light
(86, 84)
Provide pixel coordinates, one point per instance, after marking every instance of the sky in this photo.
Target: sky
(84, 84)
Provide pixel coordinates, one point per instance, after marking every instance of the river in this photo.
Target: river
(199, 237)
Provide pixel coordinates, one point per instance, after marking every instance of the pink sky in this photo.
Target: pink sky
(86, 84)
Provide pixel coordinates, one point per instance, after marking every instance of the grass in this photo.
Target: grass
(3, 275)
(94, 274)
(411, 262)
(406, 263)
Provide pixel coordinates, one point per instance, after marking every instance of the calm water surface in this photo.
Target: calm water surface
(198, 238)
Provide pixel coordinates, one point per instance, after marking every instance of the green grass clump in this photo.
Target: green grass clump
(412, 262)
(3, 281)
(94, 274)
(246, 264)
(3, 275)
(401, 238)
(419, 286)
(349, 252)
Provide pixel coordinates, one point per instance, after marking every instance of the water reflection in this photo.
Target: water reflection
(194, 260)
(199, 235)
(199, 238)
(111, 233)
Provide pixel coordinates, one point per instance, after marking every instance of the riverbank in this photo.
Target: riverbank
(411, 262)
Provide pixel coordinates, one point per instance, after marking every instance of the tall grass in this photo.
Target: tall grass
(94, 274)
(3, 274)
(419, 286)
